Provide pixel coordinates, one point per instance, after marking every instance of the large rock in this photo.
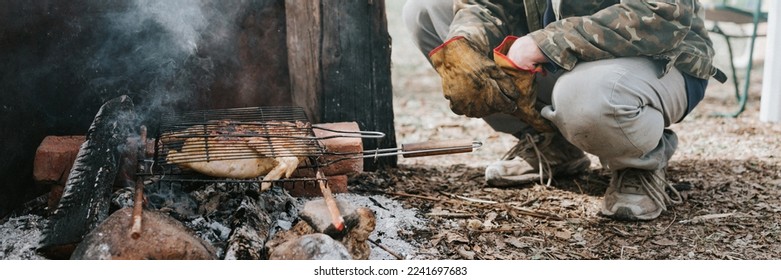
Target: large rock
(162, 238)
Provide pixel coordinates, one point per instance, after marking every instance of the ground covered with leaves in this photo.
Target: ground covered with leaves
(728, 170)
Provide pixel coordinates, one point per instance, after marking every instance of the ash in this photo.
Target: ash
(19, 237)
(395, 225)
(208, 212)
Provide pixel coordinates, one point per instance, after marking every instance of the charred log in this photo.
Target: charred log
(256, 220)
(250, 225)
(86, 198)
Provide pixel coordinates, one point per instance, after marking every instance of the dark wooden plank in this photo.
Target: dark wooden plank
(303, 44)
(246, 42)
(356, 70)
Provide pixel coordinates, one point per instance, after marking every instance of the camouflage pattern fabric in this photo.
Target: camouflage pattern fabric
(671, 32)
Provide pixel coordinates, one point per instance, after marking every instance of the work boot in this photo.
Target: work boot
(635, 194)
(536, 157)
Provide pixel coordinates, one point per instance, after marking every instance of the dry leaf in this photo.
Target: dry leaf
(469, 255)
(455, 237)
(564, 234)
(664, 242)
(516, 242)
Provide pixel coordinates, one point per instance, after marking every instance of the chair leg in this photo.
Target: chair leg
(735, 81)
(743, 95)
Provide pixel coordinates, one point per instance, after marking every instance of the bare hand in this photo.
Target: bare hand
(525, 53)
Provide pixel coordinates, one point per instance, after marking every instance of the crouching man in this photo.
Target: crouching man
(568, 76)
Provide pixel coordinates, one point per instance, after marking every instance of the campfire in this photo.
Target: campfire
(217, 184)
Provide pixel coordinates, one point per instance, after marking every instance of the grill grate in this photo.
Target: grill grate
(234, 134)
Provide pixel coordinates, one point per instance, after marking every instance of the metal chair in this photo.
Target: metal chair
(724, 12)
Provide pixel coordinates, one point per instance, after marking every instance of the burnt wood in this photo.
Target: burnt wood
(256, 220)
(303, 45)
(86, 198)
(356, 77)
(250, 229)
(246, 42)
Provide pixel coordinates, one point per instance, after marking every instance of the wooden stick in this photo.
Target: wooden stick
(484, 203)
(138, 200)
(138, 210)
(336, 216)
(414, 196)
(378, 244)
(452, 215)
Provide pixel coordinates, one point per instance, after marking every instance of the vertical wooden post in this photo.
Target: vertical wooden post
(770, 108)
(356, 77)
(303, 43)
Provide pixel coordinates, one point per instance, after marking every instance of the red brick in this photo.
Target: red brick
(351, 146)
(53, 161)
(310, 188)
(54, 158)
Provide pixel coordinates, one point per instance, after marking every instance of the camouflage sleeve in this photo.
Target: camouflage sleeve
(484, 23)
(630, 28)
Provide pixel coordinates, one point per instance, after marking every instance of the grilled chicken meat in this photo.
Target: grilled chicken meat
(271, 150)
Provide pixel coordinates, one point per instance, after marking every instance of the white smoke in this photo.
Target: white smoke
(184, 20)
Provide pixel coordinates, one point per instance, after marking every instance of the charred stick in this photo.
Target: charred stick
(138, 210)
(336, 216)
(394, 254)
(138, 200)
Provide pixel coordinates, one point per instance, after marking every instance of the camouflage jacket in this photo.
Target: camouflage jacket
(671, 32)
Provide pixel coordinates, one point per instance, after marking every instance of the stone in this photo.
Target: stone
(357, 239)
(162, 238)
(315, 246)
(359, 224)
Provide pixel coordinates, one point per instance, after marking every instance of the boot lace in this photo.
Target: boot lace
(528, 149)
(654, 185)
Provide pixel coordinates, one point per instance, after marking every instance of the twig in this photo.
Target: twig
(336, 216)
(675, 216)
(579, 187)
(621, 232)
(538, 214)
(138, 200)
(627, 247)
(481, 202)
(394, 254)
(498, 230)
(413, 196)
(703, 218)
(529, 202)
(138, 210)
(476, 200)
(533, 239)
(452, 215)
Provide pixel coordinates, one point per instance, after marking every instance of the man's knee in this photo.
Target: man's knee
(428, 21)
(599, 117)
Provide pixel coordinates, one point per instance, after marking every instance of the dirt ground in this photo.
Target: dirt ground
(729, 167)
(440, 208)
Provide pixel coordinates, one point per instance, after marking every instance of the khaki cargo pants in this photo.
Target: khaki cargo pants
(616, 109)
